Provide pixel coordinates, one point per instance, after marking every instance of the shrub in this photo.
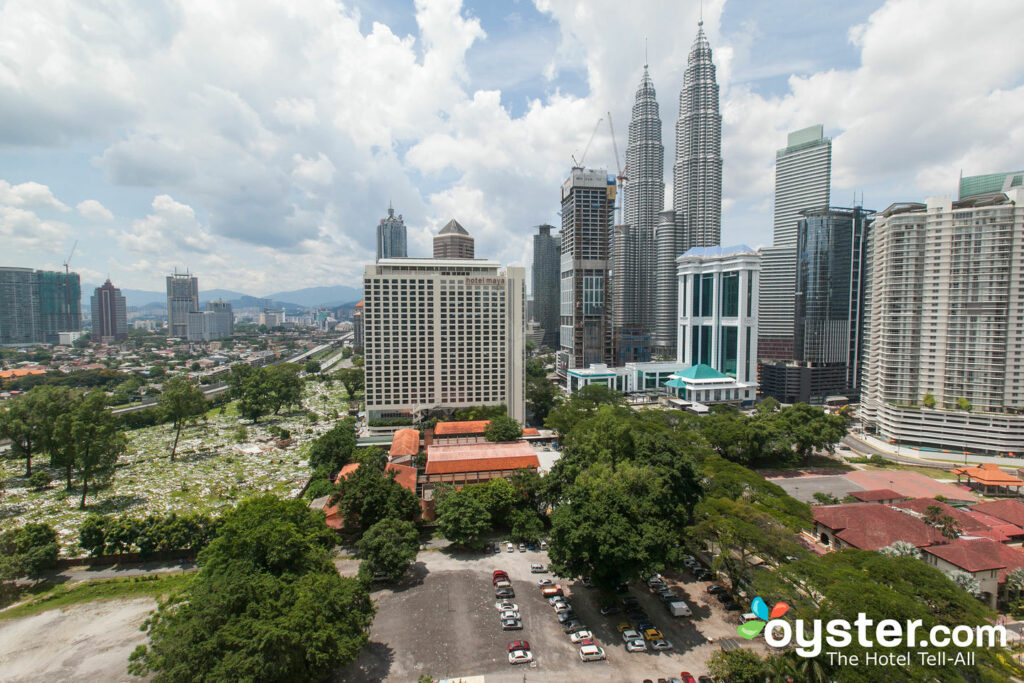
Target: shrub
(39, 479)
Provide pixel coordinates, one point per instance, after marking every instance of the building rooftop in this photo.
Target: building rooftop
(452, 227)
(471, 451)
(405, 442)
(909, 484)
(461, 428)
(974, 555)
(705, 252)
(987, 474)
(869, 526)
(875, 495)
(701, 371)
(1011, 511)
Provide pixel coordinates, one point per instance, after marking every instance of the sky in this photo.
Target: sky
(259, 143)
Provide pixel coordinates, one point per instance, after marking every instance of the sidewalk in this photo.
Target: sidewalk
(85, 573)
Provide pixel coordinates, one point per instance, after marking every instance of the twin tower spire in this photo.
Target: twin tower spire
(651, 238)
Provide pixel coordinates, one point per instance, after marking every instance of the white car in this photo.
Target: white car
(538, 569)
(631, 634)
(580, 635)
(508, 606)
(562, 607)
(555, 599)
(661, 644)
(543, 545)
(509, 614)
(591, 653)
(545, 582)
(520, 657)
(636, 645)
(510, 548)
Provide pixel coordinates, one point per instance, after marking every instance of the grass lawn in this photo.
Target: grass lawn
(49, 596)
(926, 471)
(212, 470)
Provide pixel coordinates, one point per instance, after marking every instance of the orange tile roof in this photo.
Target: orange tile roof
(1011, 511)
(530, 431)
(972, 556)
(502, 464)
(988, 474)
(463, 428)
(475, 451)
(405, 442)
(20, 372)
(870, 526)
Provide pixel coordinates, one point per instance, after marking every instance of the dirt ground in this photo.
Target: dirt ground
(442, 621)
(81, 643)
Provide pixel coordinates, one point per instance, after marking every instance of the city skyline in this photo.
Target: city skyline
(273, 179)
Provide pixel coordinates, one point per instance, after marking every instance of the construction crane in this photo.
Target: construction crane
(579, 164)
(621, 177)
(67, 261)
(67, 293)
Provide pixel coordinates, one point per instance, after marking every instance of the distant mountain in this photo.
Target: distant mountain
(210, 294)
(133, 297)
(335, 295)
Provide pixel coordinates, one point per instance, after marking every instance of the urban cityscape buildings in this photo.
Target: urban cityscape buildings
(545, 274)
(453, 242)
(182, 299)
(109, 314)
(357, 326)
(585, 330)
(972, 186)
(803, 173)
(216, 322)
(944, 318)
(37, 305)
(443, 334)
(391, 237)
(643, 198)
(828, 309)
(667, 247)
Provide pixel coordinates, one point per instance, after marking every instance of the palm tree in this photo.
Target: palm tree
(1015, 581)
(949, 527)
(901, 549)
(966, 581)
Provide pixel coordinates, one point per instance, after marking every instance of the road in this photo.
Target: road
(927, 458)
(121, 571)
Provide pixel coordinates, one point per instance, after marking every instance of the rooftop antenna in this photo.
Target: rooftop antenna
(645, 52)
(700, 22)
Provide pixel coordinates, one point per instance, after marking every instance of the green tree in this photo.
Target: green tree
(180, 401)
(462, 515)
(22, 425)
(581, 405)
(333, 449)
(901, 549)
(963, 404)
(283, 386)
(503, 428)
(541, 398)
(266, 604)
(388, 547)
(737, 666)
(968, 582)
(825, 498)
(928, 400)
(28, 551)
(369, 494)
(90, 440)
(1015, 582)
(311, 367)
(352, 379)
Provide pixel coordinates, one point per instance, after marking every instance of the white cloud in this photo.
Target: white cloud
(29, 195)
(171, 229)
(22, 228)
(94, 211)
(319, 171)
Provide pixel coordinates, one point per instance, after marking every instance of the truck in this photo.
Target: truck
(679, 609)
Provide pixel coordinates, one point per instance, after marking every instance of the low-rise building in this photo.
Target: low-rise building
(472, 463)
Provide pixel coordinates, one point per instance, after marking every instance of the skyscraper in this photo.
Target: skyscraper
(182, 299)
(943, 361)
(391, 242)
(60, 304)
(643, 199)
(697, 173)
(453, 242)
(803, 171)
(585, 331)
(546, 248)
(216, 322)
(830, 259)
(696, 185)
(109, 314)
(19, 307)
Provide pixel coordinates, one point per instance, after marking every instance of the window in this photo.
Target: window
(707, 294)
(730, 294)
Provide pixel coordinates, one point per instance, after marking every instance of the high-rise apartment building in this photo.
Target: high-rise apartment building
(943, 351)
(216, 322)
(546, 259)
(182, 299)
(803, 172)
(667, 247)
(585, 331)
(443, 334)
(19, 307)
(972, 186)
(453, 242)
(829, 308)
(109, 314)
(391, 238)
(718, 292)
(697, 173)
(643, 199)
(60, 304)
(357, 327)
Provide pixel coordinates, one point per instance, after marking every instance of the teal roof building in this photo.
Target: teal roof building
(975, 185)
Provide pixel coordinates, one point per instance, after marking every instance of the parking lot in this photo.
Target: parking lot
(441, 619)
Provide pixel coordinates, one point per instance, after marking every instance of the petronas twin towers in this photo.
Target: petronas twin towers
(651, 238)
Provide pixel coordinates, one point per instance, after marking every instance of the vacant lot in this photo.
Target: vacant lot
(83, 643)
(441, 620)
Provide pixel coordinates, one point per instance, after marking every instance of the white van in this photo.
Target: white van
(749, 616)
(591, 653)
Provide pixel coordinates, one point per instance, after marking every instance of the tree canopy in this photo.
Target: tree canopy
(89, 441)
(180, 401)
(388, 548)
(370, 494)
(333, 449)
(503, 428)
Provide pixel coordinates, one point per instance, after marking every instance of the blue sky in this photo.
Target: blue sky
(258, 143)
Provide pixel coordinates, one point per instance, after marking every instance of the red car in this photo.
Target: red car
(519, 645)
(687, 677)
(499, 575)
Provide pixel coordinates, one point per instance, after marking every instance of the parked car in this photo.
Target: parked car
(497, 547)
(687, 677)
(543, 545)
(630, 601)
(519, 645)
(636, 645)
(562, 607)
(551, 591)
(733, 606)
(502, 583)
(574, 625)
(506, 605)
(678, 608)
(520, 657)
(577, 636)
(624, 626)
(705, 679)
(622, 588)
(652, 634)
(566, 616)
(487, 549)
(511, 625)
(723, 598)
(503, 593)
(555, 599)
(702, 574)
(660, 644)
(531, 546)
(522, 547)
(536, 568)
(656, 582)
(509, 614)
(610, 609)
(630, 634)
(498, 575)
(545, 582)
(715, 589)
(591, 653)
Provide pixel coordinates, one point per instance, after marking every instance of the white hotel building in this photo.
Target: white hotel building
(944, 312)
(443, 334)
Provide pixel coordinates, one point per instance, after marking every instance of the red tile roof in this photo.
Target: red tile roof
(988, 474)
(463, 428)
(1012, 558)
(483, 464)
(20, 372)
(530, 431)
(1011, 511)
(875, 495)
(405, 442)
(869, 526)
(997, 529)
(975, 555)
